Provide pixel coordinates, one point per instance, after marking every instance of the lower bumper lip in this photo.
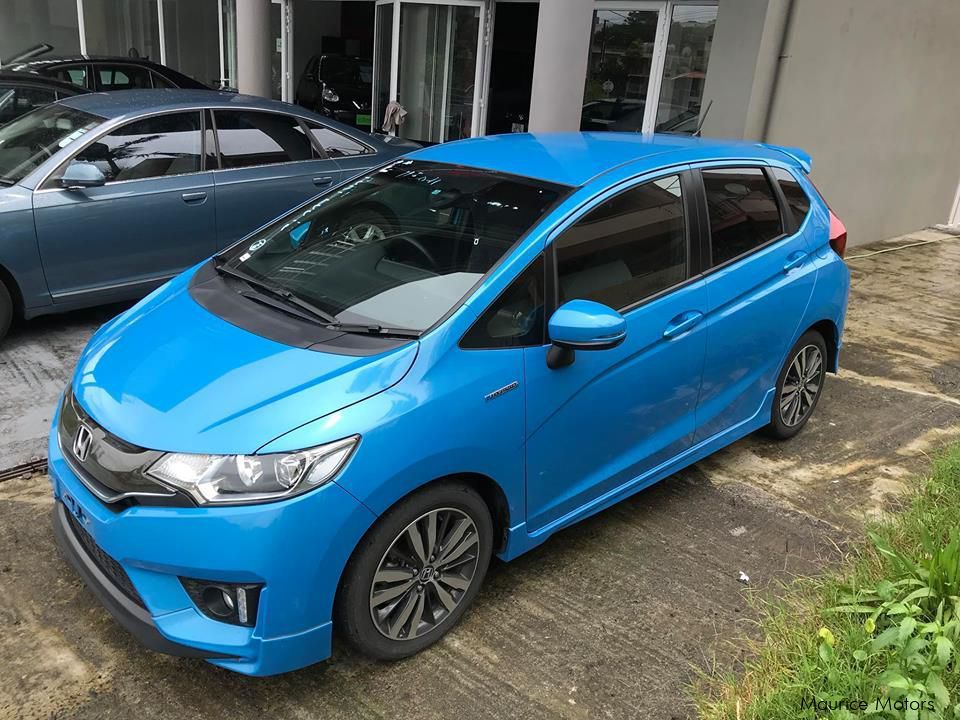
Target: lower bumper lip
(133, 617)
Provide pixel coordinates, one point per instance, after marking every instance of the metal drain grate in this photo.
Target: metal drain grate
(34, 467)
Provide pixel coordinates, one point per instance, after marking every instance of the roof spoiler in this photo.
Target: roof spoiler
(802, 157)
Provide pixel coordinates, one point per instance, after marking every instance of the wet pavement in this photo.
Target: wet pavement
(611, 618)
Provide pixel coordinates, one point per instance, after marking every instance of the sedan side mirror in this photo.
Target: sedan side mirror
(583, 325)
(80, 175)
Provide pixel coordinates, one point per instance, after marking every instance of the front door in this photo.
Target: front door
(153, 218)
(439, 80)
(613, 416)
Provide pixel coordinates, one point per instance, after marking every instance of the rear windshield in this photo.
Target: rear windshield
(398, 247)
(29, 140)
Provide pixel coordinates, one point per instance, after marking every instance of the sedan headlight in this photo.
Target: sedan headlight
(330, 95)
(252, 478)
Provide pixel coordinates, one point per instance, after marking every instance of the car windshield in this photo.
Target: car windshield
(397, 248)
(343, 70)
(29, 140)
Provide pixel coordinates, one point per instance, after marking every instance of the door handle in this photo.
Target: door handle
(321, 181)
(794, 261)
(681, 323)
(194, 198)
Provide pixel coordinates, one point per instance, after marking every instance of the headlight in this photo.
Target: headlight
(330, 95)
(252, 478)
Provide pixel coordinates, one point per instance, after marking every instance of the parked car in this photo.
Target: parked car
(105, 196)
(336, 422)
(104, 72)
(22, 92)
(337, 86)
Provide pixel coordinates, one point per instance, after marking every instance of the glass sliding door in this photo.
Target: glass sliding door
(188, 26)
(128, 28)
(621, 64)
(685, 67)
(432, 65)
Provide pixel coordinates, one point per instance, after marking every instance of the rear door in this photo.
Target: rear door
(760, 279)
(152, 219)
(268, 164)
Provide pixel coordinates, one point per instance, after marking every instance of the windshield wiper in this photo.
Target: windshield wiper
(285, 295)
(375, 329)
(7, 182)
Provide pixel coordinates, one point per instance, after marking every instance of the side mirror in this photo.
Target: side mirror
(583, 325)
(80, 175)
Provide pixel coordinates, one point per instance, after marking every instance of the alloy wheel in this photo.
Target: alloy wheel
(801, 385)
(425, 574)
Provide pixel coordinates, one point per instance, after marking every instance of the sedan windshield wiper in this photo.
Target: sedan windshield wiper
(285, 295)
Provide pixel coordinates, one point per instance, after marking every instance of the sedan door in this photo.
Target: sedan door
(759, 283)
(606, 423)
(153, 218)
(268, 166)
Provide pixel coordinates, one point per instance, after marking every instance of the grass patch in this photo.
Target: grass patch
(882, 628)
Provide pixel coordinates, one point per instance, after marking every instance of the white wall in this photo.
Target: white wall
(870, 89)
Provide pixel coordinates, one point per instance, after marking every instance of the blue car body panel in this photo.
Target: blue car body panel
(64, 249)
(696, 371)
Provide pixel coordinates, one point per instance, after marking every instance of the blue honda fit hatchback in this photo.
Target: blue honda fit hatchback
(333, 424)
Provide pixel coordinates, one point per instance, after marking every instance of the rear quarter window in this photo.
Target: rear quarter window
(797, 199)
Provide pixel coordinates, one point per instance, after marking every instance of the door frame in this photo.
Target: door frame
(481, 74)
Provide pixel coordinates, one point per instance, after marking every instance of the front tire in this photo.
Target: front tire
(799, 386)
(416, 572)
(6, 310)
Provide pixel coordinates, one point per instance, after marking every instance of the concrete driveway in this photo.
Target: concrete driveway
(611, 618)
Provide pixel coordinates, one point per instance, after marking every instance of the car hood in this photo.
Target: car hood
(169, 375)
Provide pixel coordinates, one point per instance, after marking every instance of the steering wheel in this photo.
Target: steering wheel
(419, 247)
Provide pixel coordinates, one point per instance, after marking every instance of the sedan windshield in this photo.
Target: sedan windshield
(397, 248)
(29, 140)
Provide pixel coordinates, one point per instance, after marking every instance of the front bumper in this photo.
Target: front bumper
(297, 548)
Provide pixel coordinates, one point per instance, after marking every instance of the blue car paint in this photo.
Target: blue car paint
(65, 249)
(586, 322)
(424, 410)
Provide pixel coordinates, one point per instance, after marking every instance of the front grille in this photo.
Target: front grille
(110, 567)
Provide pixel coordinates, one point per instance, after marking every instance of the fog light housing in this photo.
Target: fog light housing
(234, 603)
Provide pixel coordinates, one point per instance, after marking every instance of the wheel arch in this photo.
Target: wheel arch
(831, 336)
(16, 294)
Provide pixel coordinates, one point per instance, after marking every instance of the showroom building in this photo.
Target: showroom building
(863, 85)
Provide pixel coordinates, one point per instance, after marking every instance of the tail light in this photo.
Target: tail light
(838, 235)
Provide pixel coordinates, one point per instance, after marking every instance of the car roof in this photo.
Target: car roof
(118, 103)
(61, 59)
(34, 79)
(575, 158)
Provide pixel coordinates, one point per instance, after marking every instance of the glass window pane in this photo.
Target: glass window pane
(743, 211)
(27, 23)
(32, 139)
(381, 60)
(15, 100)
(621, 55)
(685, 67)
(128, 28)
(152, 147)
(632, 246)
(248, 139)
(191, 32)
(73, 74)
(516, 318)
(438, 61)
(795, 195)
(337, 144)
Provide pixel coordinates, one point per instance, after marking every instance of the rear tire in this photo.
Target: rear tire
(799, 386)
(416, 572)
(6, 310)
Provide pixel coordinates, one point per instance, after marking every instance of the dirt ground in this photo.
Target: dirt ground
(612, 618)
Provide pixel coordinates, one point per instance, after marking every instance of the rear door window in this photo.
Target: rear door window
(742, 209)
(250, 138)
(73, 74)
(122, 77)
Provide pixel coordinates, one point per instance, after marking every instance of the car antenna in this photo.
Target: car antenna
(696, 133)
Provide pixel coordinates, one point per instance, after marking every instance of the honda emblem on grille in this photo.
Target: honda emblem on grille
(82, 443)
